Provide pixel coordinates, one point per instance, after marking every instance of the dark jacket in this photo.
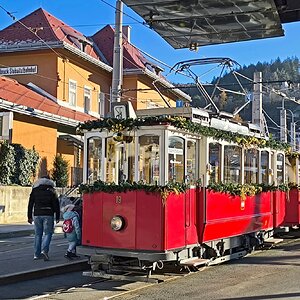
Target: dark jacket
(43, 199)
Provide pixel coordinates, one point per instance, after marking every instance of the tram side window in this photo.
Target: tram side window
(149, 159)
(176, 159)
(94, 159)
(264, 167)
(280, 170)
(251, 166)
(232, 164)
(191, 162)
(214, 162)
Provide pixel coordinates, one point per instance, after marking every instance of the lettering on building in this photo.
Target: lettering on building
(20, 70)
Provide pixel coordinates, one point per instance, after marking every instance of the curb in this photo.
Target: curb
(34, 274)
(21, 233)
(12, 234)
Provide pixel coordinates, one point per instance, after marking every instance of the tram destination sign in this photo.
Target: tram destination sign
(18, 70)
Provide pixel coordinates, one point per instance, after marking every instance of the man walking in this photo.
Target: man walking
(43, 201)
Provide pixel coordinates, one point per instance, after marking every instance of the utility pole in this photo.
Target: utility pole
(283, 135)
(257, 101)
(117, 74)
(293, 130)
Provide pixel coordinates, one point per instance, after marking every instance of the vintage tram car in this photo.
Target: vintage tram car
(180, 186)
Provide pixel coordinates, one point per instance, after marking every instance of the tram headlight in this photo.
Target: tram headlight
(117, 223)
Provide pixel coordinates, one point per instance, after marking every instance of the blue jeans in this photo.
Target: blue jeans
(42, 224)
(72, 247)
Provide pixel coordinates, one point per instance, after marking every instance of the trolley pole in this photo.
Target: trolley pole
(117, 73)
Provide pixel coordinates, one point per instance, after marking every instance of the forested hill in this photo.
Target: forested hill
(277, 75)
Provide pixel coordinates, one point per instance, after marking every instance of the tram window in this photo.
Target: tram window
(119, 161)
(264, 167)
(191, 162)
(176, 159)
(111, 157)
(232, 164)
(149, 159)
(130, 156)
(251, 166)
(94, 159)
(214, 161)
(280, 170)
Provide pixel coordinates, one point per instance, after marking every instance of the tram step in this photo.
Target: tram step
(272, 241)
(194, 262)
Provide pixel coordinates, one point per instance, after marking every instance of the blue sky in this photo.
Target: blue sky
(90, 15)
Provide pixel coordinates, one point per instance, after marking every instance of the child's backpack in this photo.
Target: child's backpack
(67, 226)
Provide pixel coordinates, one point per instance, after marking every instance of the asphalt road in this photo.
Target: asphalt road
(268, 274)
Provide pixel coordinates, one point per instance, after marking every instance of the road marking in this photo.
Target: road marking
(38, 297)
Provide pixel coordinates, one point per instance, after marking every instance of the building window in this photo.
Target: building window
(87, 99)
(72, 92)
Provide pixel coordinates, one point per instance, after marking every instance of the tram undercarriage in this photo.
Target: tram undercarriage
(140, 265)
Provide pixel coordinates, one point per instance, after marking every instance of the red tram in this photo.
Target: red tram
(180, 186)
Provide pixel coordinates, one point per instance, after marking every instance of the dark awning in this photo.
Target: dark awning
(76, 141)
(192, 23)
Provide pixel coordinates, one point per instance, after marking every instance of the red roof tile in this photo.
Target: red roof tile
(12, 91)
(133, 58)
(47, 28)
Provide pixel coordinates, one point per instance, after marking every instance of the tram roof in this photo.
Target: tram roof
(191, 23)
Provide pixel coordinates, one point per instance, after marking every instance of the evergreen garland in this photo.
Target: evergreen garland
(117, 125)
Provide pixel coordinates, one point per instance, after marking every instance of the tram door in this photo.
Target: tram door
(182, 168)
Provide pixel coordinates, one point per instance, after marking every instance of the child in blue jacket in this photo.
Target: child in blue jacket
(72, 230)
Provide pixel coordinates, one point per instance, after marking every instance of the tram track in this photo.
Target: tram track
(134, 287)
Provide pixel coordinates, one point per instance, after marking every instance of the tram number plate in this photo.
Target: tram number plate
(118, 200)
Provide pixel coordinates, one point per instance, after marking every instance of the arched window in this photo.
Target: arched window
(176, 159)
(280, 169)
(251, 166)
(232, 164)
(191, 162)
(264, 166)
(94, 159)
(149, 159)
(214, 162)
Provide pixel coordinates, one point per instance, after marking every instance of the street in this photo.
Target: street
(267, 274)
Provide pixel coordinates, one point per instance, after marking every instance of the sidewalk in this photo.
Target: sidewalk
(16, 259)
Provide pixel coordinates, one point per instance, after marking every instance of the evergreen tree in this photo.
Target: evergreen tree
(60, 173)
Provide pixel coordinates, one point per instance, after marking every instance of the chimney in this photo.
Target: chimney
(127, 32)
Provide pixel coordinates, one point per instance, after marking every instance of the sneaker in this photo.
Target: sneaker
(69, 255)
(74, 255)
(36, 257)
(45, 256)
